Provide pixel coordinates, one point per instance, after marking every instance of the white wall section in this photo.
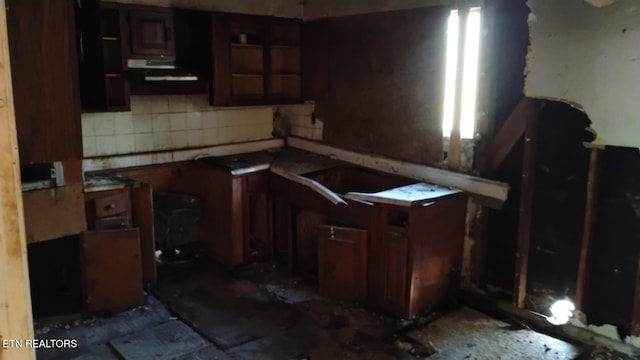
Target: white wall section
(590, 58)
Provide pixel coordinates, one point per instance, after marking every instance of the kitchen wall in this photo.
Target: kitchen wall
(281, 8)
(314, 9)
(158, 123)
(590, 58)
(386, 76)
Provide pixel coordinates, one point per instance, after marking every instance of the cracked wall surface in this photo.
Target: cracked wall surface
(589, 57)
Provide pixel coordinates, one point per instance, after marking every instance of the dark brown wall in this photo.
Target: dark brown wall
(386, 79)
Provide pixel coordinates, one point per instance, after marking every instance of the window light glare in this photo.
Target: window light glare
(469, 73)
(561, 312)
(450, 72)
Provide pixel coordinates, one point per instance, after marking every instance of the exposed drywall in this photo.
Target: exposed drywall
(314, 9)
(281, 8)
(589, 57)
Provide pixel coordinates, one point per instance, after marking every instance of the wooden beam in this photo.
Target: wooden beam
(584, 262)
(510, 132)
(526, 202)
(15, 298)
(481, 188)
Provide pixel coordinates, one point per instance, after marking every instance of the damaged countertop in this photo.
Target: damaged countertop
(103, 181)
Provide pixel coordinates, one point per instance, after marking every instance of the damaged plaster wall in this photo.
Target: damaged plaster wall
(590, 58)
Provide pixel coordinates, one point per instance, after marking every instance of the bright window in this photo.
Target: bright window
(468, 90)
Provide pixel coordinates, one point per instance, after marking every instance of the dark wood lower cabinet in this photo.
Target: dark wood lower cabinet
(342, 257)
(112, 270)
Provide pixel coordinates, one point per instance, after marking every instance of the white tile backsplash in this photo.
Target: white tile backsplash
(161, 140)
(89, 146)
(142, 123)
(106, 145)
(104, 124)
(177, 103)
(160, 105)
(125, 143)
(123, 124)
(88, 125)
(158, 123)
(177, 121)
(178, 139)
(144, 142)
(194, 137)
(209, 119)
(194, 120)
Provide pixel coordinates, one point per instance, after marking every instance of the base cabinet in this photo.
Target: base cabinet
(241, 216)
(414, 251)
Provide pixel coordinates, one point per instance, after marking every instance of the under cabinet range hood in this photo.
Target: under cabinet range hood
(160, 70)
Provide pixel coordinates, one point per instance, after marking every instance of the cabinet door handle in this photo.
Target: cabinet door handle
(110, 207)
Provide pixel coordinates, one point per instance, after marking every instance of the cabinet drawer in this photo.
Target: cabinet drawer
(112, 222)
(111, 205)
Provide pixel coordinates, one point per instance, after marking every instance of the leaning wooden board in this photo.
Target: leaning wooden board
(409, 195)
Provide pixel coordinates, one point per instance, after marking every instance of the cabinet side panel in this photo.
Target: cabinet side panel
(437, 240)
(44, 67)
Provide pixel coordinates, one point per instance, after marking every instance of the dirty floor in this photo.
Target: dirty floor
(206, 311)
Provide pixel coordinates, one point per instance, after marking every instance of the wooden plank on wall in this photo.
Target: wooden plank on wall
(490, 189)
(584, 262)
(15, 298)
(526, 202)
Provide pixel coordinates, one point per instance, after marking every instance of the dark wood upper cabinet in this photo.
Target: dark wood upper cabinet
(44, 60)
(151, 33)
(256, 59)
(315, 60)
(104, 81)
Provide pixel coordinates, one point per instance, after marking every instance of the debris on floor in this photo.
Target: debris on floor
(207, 311)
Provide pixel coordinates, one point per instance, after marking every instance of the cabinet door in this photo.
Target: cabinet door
(151, 33)
(44, 61)
(142, 213)
(257, 218)
(112, 271)
(395, 272)
(342, 262)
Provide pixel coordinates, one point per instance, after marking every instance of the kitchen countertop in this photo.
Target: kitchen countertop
(239, 164)
(103, 181)
(409, 195)
(290, 160)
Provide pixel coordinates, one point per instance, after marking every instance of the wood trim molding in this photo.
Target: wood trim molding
(16, 320)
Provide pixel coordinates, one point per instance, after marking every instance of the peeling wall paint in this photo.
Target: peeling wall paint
(589, 57)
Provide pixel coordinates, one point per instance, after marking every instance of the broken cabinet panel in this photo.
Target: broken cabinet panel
(142, 218)
(112, 270)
